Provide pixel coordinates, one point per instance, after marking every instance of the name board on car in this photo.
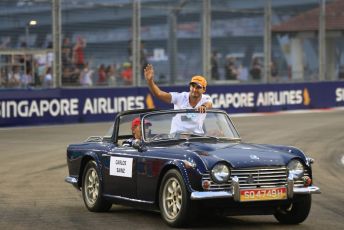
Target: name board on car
(121, 166)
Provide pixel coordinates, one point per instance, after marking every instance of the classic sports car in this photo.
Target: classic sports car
(188, 161)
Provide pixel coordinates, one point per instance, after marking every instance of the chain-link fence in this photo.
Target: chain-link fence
(108, 43)
(308, 43)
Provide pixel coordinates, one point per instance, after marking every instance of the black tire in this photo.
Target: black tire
(295, 213)
(174, 200)
(92, 193)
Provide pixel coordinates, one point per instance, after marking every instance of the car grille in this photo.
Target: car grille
(255, 178)
(265, 177)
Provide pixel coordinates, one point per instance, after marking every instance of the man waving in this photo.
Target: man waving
(194, 99)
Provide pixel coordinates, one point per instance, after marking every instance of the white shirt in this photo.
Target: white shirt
(86, 77)
(191, 123)
(181, 100)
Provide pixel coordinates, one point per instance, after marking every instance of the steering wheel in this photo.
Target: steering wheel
(183, 135)
(159, 136)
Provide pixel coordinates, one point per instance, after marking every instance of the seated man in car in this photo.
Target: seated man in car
(136, 131)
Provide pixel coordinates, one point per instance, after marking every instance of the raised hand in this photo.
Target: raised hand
(149, 72)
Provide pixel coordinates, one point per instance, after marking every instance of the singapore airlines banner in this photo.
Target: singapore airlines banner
(56, 106)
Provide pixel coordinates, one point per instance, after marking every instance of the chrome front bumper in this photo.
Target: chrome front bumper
(235, 191)
(307, 190)
(71, 180)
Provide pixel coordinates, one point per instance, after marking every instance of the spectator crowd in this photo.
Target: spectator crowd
(35, 70)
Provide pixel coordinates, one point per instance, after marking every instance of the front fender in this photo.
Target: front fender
(298, 153)
(290, 149)
(191, 176)
(88, 156)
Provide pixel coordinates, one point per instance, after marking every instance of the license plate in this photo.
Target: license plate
(261, 194)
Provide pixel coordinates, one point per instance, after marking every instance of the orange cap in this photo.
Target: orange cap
(199, 80)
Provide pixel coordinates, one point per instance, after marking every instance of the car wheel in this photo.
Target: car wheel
(296, 212)
(92, 190)
(174, 199)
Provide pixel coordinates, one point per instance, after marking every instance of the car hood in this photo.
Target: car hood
(240, 155)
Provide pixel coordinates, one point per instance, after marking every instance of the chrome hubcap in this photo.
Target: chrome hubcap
(172, 198)
(91, 186)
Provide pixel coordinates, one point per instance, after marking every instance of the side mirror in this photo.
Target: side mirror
(137, 144)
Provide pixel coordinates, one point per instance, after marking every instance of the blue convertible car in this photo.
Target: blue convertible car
(187, 161)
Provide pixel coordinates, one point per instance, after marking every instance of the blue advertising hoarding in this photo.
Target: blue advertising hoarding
(57, 106)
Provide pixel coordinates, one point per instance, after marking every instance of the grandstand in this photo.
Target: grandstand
(237, 33)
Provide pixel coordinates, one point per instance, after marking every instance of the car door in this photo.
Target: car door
(120, 174)
(149, 165)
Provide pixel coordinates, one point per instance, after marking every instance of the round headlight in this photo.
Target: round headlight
(220, 173)
(296, 169)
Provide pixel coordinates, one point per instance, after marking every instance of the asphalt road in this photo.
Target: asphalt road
(33, 194)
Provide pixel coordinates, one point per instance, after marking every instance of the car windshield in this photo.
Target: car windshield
(186, 124)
